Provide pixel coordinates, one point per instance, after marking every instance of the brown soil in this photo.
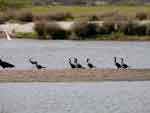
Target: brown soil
(70, 75)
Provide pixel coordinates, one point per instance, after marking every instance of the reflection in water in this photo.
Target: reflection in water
(55, 53)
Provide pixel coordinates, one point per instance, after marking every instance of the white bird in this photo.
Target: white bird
(7, 35)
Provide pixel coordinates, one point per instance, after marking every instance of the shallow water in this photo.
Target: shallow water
(96, 97)
(55, 53)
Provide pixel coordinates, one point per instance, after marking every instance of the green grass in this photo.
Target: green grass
(30, 35)
(128, 9)
(4, 4)
(109, 12)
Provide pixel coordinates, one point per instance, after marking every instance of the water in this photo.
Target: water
(96, 97)
(55, 53)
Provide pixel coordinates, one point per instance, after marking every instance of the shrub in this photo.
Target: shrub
(10, 14)
(3, 18)
(85, 30)
(132, 28)
(93, 18)
(54, 16)
(46, 30)
(148, 29)
(25, 16)
(59, 16)
(107, 28)
(141, 16)
(54, 31)
(40, 17)
(40, 29)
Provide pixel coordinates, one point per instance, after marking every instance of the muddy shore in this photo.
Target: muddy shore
(77, 75)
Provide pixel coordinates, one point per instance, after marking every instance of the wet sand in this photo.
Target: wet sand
(74, 75)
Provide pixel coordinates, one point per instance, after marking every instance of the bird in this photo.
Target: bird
(123, 65)
(89, 64)
(116, 63)
(7, 35)
(32, 62)
(77, 64)
(38, 66)
(71, 64)
(5, 64)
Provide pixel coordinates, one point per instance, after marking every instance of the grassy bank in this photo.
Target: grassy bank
(128, 31)
(112, 14)
(69, 75)
(93, 31)
(126, 9)
(5, 4)
(112, 37)
(62, 13)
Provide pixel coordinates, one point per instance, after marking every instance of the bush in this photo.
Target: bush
(93, 18)
(25, 16)
(54, 16)
(107, 28)
(54, 31)
(141, 16)
(40, 29)
(132, 28)
(3, 18)
(59, 16)
(11, 14)
(148, 29)
(46, 30)
(85, 30)
(40, 17)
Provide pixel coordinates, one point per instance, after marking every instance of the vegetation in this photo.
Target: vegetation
(5, 4)
(86, 31)
(30, 35)
(54, 31)
(119, 20)
(46, 30)
(40, 29)
(91, 13)
(24, 16)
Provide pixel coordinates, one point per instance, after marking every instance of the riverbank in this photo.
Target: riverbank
(76, 75)
(71, 30)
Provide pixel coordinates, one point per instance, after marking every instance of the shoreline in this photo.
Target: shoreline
(74, 75)
(26, 31)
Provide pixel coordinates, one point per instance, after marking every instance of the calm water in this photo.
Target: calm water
(55, 54)
(100, 97)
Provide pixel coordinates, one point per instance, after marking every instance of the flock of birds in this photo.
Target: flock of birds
(73, 64)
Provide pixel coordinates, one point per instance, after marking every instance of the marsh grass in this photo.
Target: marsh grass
(92, 13)
(30, 35)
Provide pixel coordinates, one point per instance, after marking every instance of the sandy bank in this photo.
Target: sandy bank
(69, 75)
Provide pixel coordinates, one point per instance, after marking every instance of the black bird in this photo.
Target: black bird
(77, 64)
(38, 66)
(4, 64)
(116, 63)
(71, 64)
(32, 62)
(89, 64)
(123, 65)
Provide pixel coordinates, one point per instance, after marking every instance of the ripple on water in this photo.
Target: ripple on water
(96, 97)
(55, 53)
